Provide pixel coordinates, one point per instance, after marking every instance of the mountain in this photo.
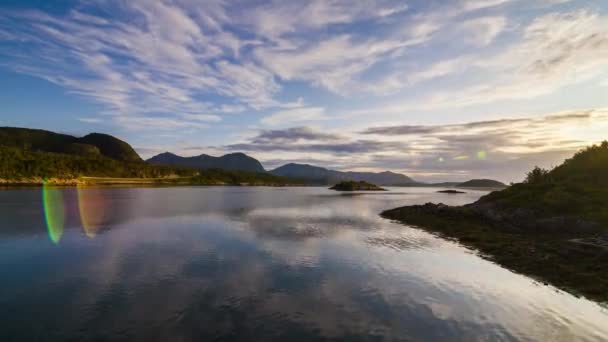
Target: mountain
(319, 175)
(111, 147)
(19, 166)
(313, 174)
(33, 156)
(481, 183)
(94, 144)
(233, 161)
(553, 226)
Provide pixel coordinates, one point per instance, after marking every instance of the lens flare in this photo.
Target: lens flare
(481, 155)
(54, 211)
(461, 158)
(92, 207)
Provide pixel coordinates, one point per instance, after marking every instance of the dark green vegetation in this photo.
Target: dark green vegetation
(29, 156)
(18, 164)
(453, 192)
(92, 145)
(111, 147)
(356, 186)
(27, 167)
(233, 161)
(553, 226)
(318, 175)
(482, 183)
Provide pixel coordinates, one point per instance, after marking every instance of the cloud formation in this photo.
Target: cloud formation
(505, 148)
(552, 52)
(369, 76)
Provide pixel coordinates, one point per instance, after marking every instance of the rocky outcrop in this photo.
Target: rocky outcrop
(356, 186)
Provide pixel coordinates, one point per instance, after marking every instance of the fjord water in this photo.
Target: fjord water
(246, 263)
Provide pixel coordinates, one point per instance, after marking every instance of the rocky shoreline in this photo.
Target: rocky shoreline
(565, 251)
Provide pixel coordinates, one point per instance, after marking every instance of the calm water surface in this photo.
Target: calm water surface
(230, 263)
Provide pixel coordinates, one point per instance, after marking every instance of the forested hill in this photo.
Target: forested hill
(553, 226)
(578, 187)
(92, 145)
(32, 156)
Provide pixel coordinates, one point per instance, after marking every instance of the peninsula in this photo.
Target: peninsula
(552, 227)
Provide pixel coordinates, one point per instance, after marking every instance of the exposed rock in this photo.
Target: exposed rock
(356, 186)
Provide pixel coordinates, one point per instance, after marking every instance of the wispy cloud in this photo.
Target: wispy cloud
(149, 58)
(555, 51)
(294, 116)
(482, 31)
(295, 134)
(185, 57)
(201, 117)
(142, 123)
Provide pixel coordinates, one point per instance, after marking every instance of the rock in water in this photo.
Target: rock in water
(356, 186)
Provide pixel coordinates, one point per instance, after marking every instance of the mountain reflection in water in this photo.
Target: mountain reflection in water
(260, 263)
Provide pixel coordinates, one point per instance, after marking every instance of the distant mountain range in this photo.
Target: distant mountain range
(91, 145)
(319, 175)
(232, 161)
(307, 173)
(102, 145)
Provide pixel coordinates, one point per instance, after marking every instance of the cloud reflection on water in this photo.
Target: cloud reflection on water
(292, 264)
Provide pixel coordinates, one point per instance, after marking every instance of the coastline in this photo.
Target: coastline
(116, 181)
(567, 261)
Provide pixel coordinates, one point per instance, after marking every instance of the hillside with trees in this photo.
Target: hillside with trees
(91, 145)
(32, 156)
(553, 226)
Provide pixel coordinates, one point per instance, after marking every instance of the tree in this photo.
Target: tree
(537, 176)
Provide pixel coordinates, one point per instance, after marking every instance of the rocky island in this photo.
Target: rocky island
(451, 192)
(356, 186)
(482, 183)
(552, 227)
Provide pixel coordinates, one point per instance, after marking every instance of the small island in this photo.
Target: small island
(482, 183)
(356, 186)
(452, 192)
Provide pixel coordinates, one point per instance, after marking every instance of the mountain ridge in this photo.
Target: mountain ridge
(237, 161)
(321, 175)
(93, 144)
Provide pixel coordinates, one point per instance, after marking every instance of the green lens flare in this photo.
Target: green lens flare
(481, 155)
(54, 212)
(92, 206)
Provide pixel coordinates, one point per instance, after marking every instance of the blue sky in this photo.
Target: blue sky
(439, 90)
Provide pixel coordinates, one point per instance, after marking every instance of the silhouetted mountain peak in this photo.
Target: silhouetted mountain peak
(233, 161)
(320, 175)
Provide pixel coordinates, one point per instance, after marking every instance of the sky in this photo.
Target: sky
(440, 90)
